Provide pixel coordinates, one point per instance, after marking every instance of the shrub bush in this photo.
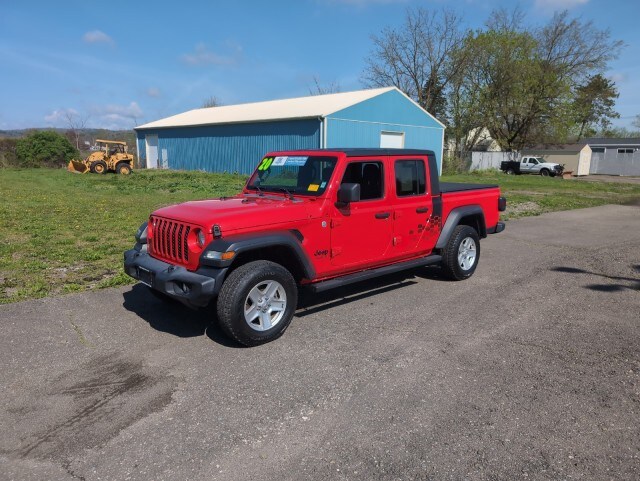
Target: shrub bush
(453, 164)
(8, 157)
(44, 149)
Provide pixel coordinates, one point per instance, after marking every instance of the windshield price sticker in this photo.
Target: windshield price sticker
(280, 161)
(296, 161)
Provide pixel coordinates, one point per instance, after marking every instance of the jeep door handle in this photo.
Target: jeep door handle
(383, 215)
(422, 210)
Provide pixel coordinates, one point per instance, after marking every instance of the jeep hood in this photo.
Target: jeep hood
(239, 212)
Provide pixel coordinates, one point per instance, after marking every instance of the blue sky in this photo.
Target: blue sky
(126, 63)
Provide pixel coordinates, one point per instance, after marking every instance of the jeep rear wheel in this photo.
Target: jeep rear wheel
(257, 302)
(461, 254)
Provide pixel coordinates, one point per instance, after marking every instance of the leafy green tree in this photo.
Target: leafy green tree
(528, 78)
(44, 149)
(518, 91)
(594, 104)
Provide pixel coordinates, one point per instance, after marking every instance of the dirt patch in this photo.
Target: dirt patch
(524, 207)
(85, 407)
(618, 179)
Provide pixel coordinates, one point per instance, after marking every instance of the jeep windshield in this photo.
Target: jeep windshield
(293, 174)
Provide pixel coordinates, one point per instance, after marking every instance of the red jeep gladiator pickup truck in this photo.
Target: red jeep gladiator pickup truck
(318, 219)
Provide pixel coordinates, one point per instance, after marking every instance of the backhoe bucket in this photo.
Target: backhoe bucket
(77, 167)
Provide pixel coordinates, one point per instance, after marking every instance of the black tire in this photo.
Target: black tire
(510, 171)
(99, 167)
(544, 172)
(123, 168)
(451, 267)
(234, 297)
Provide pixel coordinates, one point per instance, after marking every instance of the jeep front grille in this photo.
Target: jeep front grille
(169, 240)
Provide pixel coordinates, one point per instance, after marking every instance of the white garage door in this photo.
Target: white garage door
(152, 151)
(392, 140)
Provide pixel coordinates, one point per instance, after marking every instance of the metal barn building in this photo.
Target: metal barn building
(233, 138)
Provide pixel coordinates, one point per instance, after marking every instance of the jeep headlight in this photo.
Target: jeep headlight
(200, 238)
(221, 256)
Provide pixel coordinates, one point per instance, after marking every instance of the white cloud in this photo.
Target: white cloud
(111, 116)
(203, 56)
(555, 5)
(97, 36)
(154, 92)
(618, 77)
(131, 111)
(116, 117)
(60, 116)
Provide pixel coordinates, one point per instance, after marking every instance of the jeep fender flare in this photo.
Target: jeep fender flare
(455, 217)
(243, 243)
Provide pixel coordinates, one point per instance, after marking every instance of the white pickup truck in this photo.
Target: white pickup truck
(532, 165)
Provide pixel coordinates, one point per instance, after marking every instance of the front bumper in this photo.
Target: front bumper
(193, 289)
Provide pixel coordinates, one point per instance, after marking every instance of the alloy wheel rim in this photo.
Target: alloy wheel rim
(265, 305)
(467, 253)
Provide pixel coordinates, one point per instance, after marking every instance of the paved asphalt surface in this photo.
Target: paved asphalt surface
(528, 370)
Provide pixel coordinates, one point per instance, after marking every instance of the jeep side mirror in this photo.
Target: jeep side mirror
(348, 193)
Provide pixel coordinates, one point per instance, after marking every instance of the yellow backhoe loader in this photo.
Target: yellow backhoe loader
(112, 156)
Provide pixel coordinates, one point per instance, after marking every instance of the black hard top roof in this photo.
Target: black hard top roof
(361, 152)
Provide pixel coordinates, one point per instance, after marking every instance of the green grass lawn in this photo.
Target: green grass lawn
(62, 232)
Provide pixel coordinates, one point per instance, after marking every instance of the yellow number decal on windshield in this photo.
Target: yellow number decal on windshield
(266, 163)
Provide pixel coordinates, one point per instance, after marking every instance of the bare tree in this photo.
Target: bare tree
(418, 57)
(76, 124)
(575, 49)
(318, 89)
(212, 101)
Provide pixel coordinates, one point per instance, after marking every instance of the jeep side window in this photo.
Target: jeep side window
(370, 177)
(534, 161)
(411, 177)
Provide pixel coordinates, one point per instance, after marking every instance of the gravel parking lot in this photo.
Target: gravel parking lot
(530, 369)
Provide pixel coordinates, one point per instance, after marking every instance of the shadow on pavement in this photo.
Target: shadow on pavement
(166, 315)
(614, 287)
(310, 303)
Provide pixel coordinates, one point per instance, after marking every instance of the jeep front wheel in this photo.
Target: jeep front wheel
(461, 255)
(257, 302)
